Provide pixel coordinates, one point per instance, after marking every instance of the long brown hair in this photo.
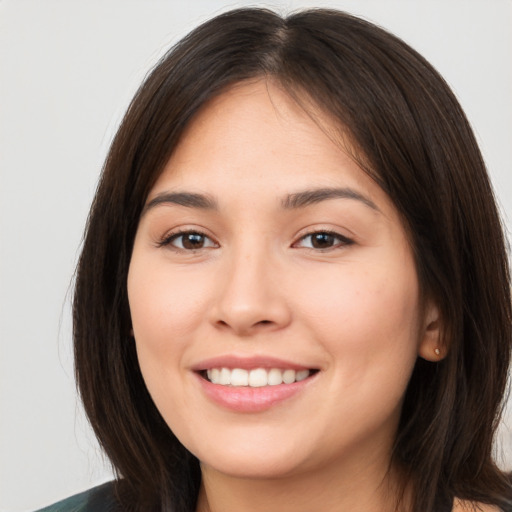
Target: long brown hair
(412, 137)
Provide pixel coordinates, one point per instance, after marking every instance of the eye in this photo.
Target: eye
(188, 241)
(323, 240)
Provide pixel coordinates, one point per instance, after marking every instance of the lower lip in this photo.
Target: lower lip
(248, 399)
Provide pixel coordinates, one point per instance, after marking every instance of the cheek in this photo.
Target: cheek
(367, 321)
(166, 308)
(366, 315)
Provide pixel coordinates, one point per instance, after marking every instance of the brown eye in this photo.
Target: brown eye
(192, 241)
(189, 241)
(323, 240)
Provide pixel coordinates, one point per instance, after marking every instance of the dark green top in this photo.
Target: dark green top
(102, 499)
(97, 499)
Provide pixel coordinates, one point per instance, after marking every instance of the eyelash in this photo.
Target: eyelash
(342, 241)
(167, 241)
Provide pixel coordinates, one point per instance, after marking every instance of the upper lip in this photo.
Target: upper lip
(247, 363)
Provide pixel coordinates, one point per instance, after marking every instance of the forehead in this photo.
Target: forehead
(256, 132)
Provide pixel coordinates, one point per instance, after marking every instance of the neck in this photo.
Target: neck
(359, 487)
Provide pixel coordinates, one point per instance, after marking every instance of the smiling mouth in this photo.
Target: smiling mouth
(255, 378)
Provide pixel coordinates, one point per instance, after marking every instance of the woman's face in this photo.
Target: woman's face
(273, 294)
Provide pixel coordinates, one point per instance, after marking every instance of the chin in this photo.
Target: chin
(253, 470)
(257, 460)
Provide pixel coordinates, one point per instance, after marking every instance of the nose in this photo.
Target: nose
(251, 297)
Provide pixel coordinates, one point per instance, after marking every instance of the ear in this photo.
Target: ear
(430, 347)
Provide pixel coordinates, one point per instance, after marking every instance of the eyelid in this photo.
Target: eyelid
(344, 241)
(167, 239)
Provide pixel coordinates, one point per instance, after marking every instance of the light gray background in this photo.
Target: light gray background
(67, 72)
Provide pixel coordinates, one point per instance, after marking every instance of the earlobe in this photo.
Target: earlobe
(431, 347)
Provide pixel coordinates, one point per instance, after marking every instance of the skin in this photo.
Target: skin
(256, 285)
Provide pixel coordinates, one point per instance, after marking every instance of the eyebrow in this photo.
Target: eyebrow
(290, 202)
(187, 199)
(309, 197)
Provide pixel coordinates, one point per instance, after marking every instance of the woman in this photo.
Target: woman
(293, 290)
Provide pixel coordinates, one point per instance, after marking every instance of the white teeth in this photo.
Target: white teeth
(239, 377)
(258, 378)
(301, 375)
(255, 378)
(225, 377)
(275, 377)
(289, 376)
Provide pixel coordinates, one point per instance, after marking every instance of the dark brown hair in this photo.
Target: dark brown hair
(412, 137)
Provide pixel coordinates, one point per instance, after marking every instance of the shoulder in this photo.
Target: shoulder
(97, 499)
(472, 506)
